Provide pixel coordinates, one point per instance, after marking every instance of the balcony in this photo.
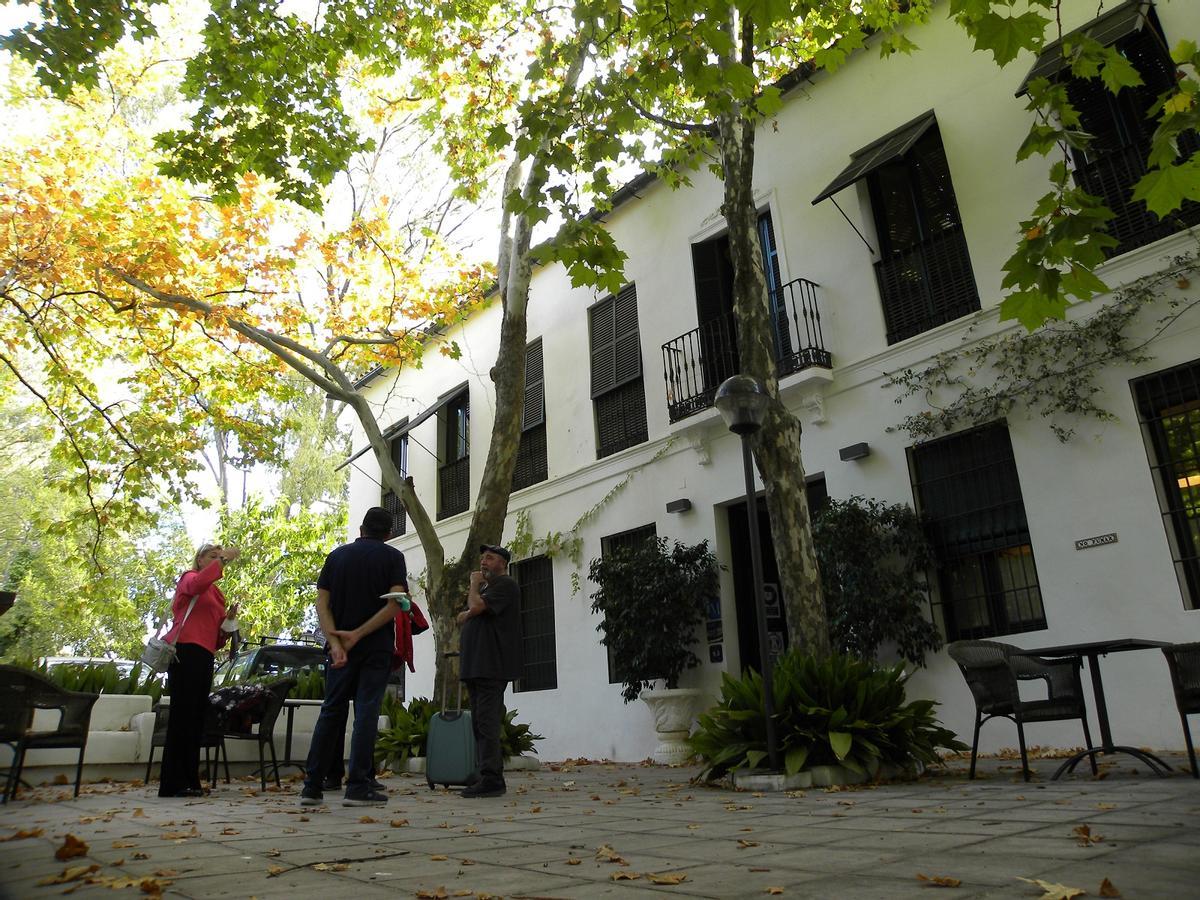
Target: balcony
(695, 364)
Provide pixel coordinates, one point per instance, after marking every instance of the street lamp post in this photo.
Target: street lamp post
(742, 402)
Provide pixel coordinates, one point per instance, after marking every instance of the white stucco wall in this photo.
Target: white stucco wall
(1099, 482)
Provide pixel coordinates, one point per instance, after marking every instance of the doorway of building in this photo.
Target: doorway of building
(749, 651)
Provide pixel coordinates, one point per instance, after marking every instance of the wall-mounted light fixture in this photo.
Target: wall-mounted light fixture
(679, 506)
(855, 451)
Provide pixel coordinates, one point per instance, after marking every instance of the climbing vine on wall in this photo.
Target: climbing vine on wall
(525, 544)
(1051, 371)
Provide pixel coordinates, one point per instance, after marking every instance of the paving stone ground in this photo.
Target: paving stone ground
(544, 838)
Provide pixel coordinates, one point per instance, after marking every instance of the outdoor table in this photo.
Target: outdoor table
(291, 706)
(1092, 651)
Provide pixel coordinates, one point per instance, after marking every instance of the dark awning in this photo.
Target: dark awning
(1107, 29)
(891, 146)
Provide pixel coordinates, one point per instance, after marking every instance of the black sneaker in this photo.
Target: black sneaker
(484, 789)
(332, 784)
(370, 798)
(311, 797)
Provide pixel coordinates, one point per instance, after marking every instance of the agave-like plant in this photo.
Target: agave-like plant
(836, 711)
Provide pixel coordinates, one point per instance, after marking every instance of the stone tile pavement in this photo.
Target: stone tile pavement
(603, 830)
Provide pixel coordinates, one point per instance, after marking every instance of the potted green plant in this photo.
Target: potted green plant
(652, 598)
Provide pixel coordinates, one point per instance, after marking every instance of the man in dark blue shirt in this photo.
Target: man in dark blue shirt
(358, 624)
(490, 657)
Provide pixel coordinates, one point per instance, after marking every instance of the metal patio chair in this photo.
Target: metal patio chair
(24, 693)
(1184, 662)
(209, 742)
(264, 731)
(993, 671)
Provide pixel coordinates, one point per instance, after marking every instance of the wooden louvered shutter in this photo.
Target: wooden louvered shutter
(535, 394)
(627, 346)
(602, 346)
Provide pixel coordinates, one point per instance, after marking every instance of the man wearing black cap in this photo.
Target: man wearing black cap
(490, 658)
(357, 622)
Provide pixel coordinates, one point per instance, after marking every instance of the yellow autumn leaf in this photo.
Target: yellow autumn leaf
(1179, 103)
(623, 875)
(667, 877)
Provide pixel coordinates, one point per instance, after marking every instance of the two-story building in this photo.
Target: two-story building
(889, 200)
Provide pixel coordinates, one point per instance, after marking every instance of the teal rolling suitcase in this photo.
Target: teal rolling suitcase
(450, 745)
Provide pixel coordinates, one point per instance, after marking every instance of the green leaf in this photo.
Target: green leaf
(1165, 189)
(1183, 52)
(795, 759)
(754, 757)
(841, 742)
(1032, 308)
(1117, 71)
(1007, 36)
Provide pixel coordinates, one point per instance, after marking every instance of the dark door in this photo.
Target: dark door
(743, 587)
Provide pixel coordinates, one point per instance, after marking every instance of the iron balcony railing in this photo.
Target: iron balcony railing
(695, 364)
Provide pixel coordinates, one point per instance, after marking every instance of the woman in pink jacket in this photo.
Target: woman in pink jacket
(189, 680)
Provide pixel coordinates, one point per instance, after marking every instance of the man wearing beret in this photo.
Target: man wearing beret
(490, 656)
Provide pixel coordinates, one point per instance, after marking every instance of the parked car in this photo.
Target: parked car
(260, 661)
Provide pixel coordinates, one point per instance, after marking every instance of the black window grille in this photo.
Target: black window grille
(531, 452)
(618, 394)
(454, 475)
(633, 539)
(1168, 405)
(969, 497)
(924, 273)
(539, 670)
(389, 500)
(1121, 131)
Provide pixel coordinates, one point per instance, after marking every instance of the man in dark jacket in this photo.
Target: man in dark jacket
(357, 622)
(491, 657)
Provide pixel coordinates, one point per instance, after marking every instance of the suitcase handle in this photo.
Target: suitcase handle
(451, 654)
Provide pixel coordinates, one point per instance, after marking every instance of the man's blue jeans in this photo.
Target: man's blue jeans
(363, 679)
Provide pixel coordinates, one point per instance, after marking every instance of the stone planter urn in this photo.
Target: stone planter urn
(672, 709)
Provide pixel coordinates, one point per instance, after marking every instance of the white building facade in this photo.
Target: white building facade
(935, 195)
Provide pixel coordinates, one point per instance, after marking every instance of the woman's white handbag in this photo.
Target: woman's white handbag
(159, 652)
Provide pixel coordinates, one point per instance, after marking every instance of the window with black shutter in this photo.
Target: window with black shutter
(531, 452)
(633, 539)
(924, 272)
(1119, 125)
(539, 670)
(389, 500)
(969, 498)
(1168, 405)
(618, 395)
(454, 474)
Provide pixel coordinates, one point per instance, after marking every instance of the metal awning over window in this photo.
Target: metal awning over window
(1107, 29)
(871, 157)
(404, 426)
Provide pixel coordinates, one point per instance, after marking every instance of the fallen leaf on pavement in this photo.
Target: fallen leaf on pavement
(1108, 889)
(367, 820)
(938, 880)
(667, 878)
(438, 893)
(439, 858)
(470, 829)
(71, 873)
(331, 867)
(274, 852)
(743, 843)
(624, 876)
(139, 813)
(773, 890)
(605, 853)
(1083, 834)
(694, 826)
(230, 831)
(72, 847)
(574, 862)
(1106, 806)
(140, 855)
(272, 871)
(398, 823)
(1053, 891)
(21, 835)
(123, 845)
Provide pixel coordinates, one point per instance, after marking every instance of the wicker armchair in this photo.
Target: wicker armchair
(24, 693)
(1184, 662)
(993, 670)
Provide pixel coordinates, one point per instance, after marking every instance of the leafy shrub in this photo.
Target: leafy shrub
(873, 558)
(104, 678)
(838, 711)
(652, 599)
(409, 731)
(310, 685)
